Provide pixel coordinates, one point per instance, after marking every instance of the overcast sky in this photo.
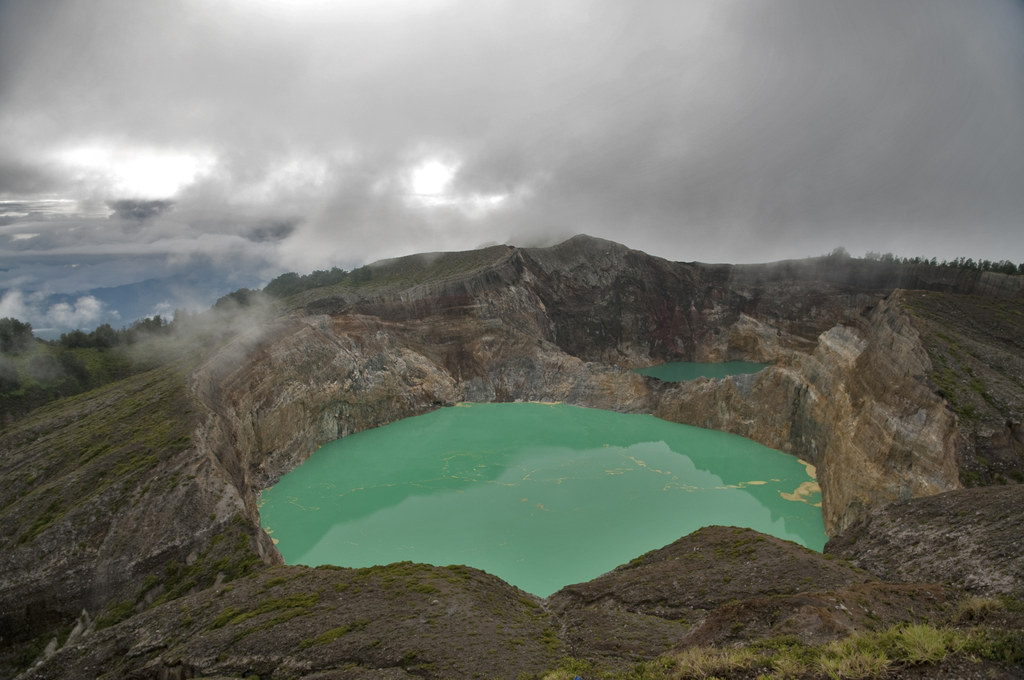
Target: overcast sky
(302, 134)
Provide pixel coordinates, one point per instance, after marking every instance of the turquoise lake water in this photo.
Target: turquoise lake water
(680, 371)
(541, 495)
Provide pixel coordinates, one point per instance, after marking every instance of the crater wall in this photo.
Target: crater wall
(847, 389)
(147, 491)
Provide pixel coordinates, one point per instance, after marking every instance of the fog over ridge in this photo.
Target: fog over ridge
(297, 136)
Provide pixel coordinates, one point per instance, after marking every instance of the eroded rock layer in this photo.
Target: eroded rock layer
(971, 538)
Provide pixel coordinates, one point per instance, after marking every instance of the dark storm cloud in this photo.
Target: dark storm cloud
(734, 130)
(882, 125)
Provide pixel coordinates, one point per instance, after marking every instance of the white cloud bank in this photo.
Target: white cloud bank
(300, 135)
(84, 312)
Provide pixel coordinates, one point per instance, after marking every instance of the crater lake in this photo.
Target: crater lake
(541, 495)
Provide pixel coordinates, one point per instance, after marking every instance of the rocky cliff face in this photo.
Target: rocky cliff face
(854, 387)
(720, 586)
(859, 407)
(112, 498)
(970, 538)
(849, 388)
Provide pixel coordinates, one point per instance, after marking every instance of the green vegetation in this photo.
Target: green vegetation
(404, 271)
(228, 555)
(381, 277)
(862, 655)
(276, 581)
(15, 337)
(974, 345)
(426, 268)
(35, 372)
(1001, 646)
(966, 263)
(106, 336)
(333, 634)
(94, 446)
(241, 298)
(54, 511)
(287, 607)
(115, 612)
(291, 283)
(405, 575)
(976, 608)
(957, 380)
(45, 372)
(271, 612)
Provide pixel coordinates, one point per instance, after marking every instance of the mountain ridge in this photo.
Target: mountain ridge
(855, 386)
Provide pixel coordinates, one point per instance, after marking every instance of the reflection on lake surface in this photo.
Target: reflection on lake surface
(541, 495)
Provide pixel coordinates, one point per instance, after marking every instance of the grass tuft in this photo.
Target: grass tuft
(861, 656)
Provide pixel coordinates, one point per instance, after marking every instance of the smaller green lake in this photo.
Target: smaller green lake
(541, 495)
(681, 371)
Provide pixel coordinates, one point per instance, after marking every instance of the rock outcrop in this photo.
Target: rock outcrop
(859, 407)
(969, 538)
(398, 621)
(719, 586)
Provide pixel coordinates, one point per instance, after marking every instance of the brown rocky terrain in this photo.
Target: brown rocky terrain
(971, 539)
(720, 586)
(130, 529)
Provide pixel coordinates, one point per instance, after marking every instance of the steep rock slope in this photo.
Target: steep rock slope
(110, 498)
(859, 407)
(970, 538)
(976, 347)
(398, 621)
(648, 606)
(850, 389)
(722, 585)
